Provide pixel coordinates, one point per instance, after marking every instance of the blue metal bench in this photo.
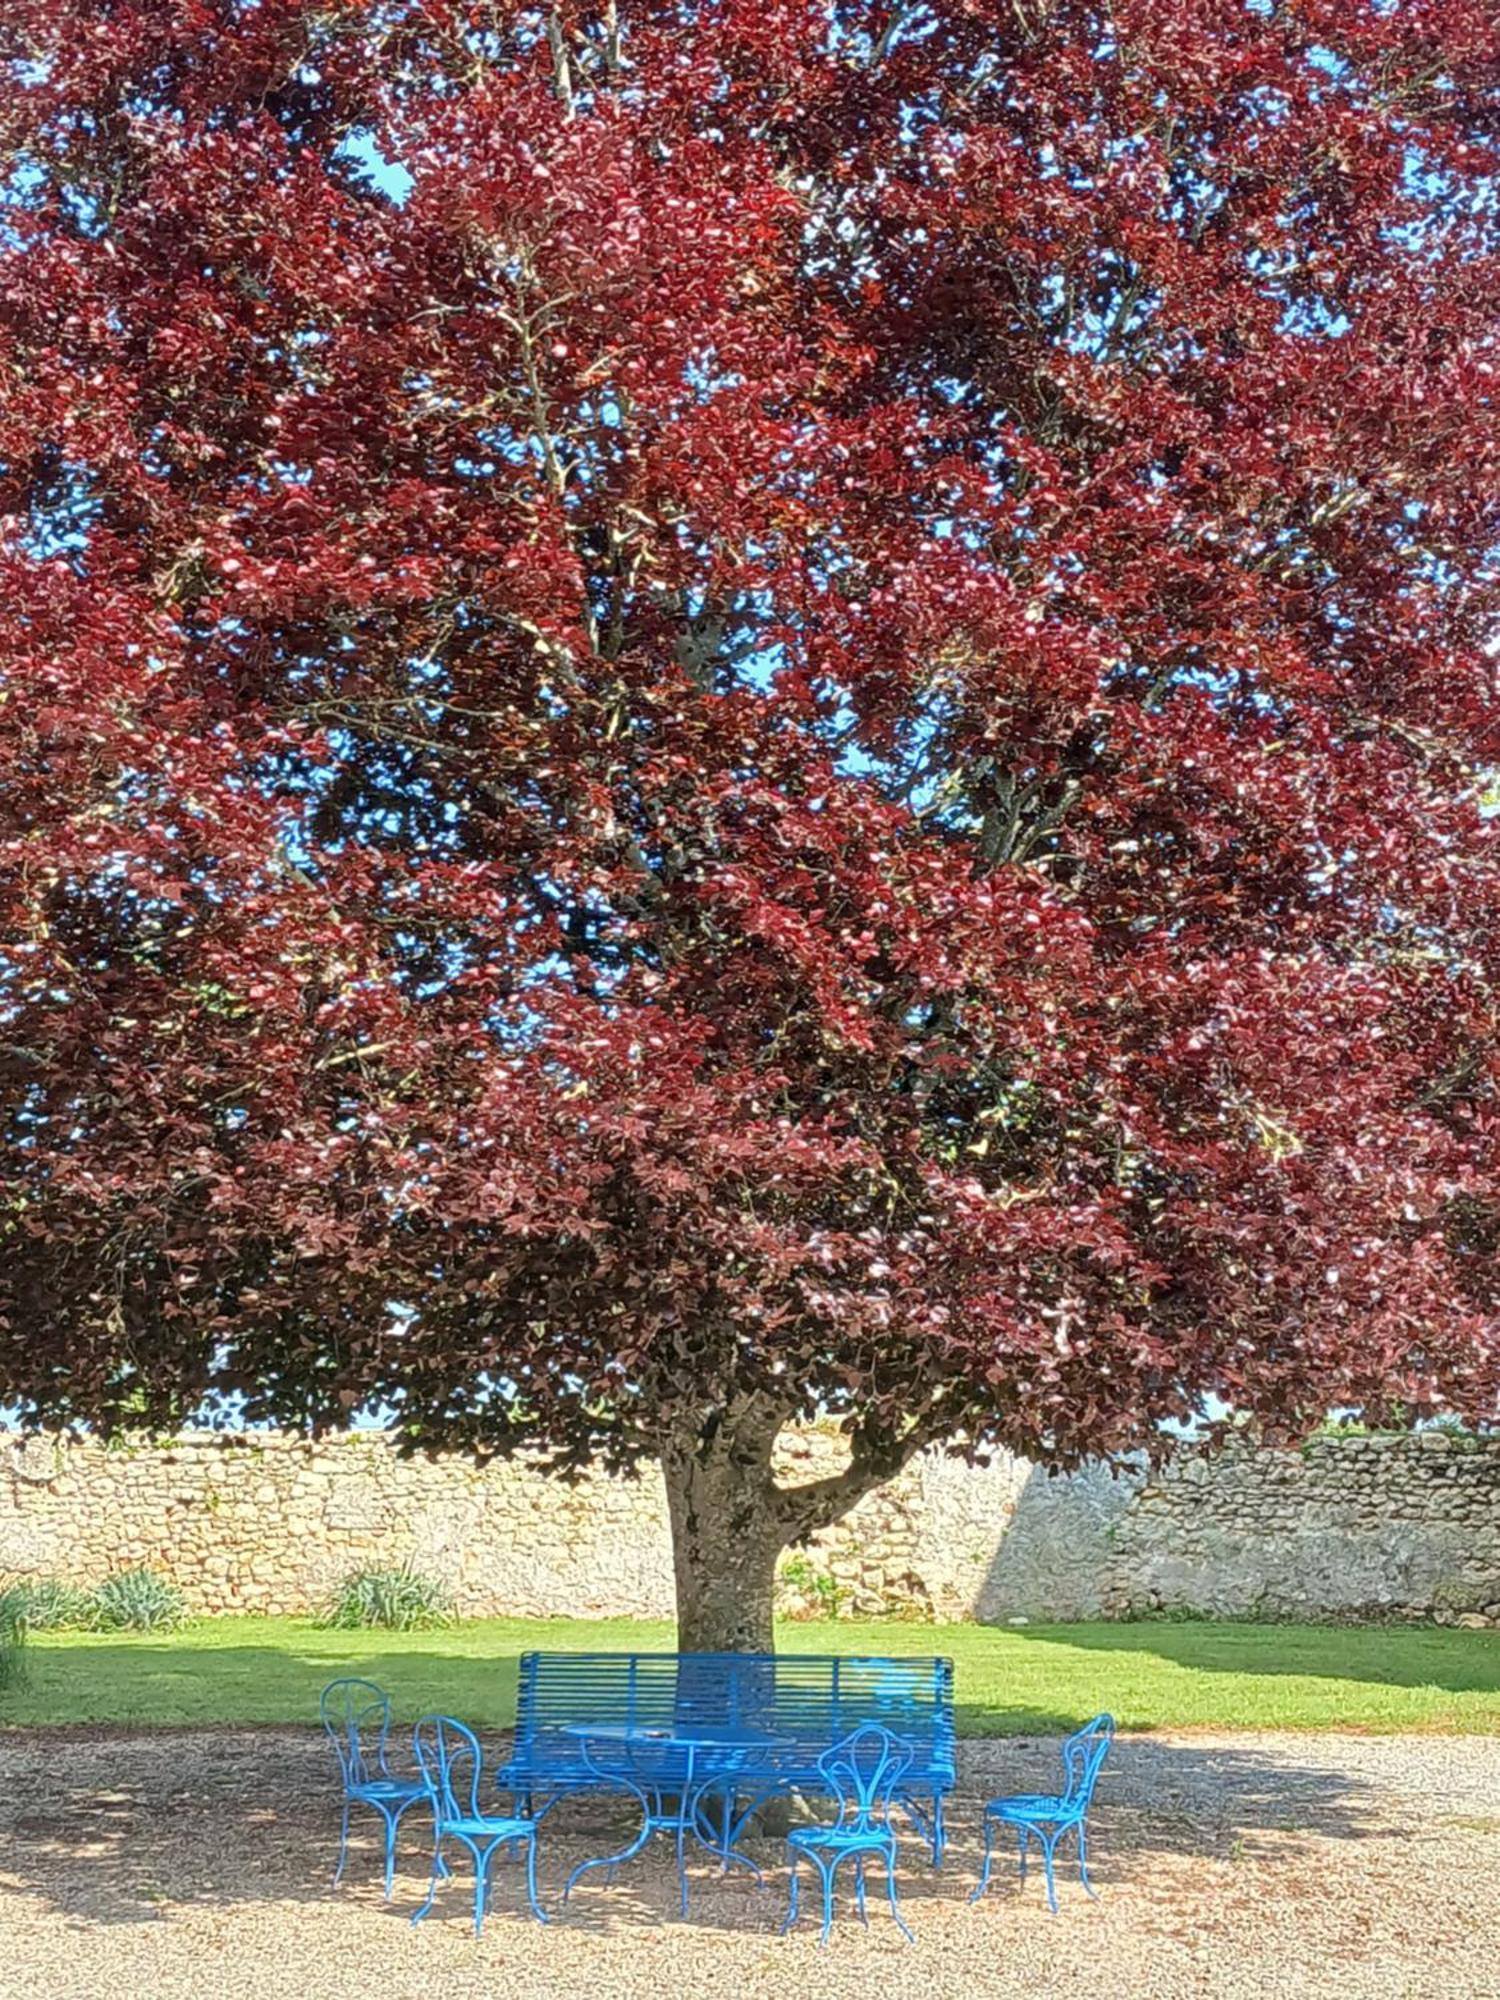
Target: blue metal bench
(796, 1704)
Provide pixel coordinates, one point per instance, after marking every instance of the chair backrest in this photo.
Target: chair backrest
(357, 1716)
(1083, 1756)
(451, 1763)
(863, 1772)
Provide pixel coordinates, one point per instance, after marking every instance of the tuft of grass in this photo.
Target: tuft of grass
(135, 1600)
(389, 1600)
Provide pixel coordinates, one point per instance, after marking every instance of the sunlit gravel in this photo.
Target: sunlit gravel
(158, 1867)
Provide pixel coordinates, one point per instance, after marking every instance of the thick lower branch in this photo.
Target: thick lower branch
(731, 1519)
(802, 1510)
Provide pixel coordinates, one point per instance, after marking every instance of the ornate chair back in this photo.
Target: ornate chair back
(1083, 1755)
(357, 1717)
(863, 1773)
(452, 1764)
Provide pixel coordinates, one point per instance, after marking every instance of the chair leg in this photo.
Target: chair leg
(536, 1909)
(392, 1821)
(890, 1890)
(439, 1872)
(1047, 1846)
(483, 1856)
(859, 1891)
(1025, 1842)
(338, 1871)
(682, 1881)
(481, 1882)
(440, 1865)
(939, 1831)
(1083, 1862)
(989, 1855)
(794, 1898)
(826, 1870)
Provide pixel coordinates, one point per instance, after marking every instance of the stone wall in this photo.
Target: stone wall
(1345, 1527)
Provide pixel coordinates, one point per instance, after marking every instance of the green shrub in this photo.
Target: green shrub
(136, 1600)
(49, 1604)
(12, 1636)
(394, 1600)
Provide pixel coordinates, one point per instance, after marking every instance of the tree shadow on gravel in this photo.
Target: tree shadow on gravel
(117, 1829)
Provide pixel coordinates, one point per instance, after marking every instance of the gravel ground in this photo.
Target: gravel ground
(182, 1864)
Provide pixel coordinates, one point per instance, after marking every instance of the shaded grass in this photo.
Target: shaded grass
(249, 1671)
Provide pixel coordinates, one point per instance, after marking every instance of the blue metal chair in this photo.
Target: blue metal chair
(863, 1774)
(450, 1760)
(1048, 1817)
(357, 1716)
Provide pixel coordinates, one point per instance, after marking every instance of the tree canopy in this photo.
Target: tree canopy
(712, 712)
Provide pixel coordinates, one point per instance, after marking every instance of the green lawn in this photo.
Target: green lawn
(1010, 1681)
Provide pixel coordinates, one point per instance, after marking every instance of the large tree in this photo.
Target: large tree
(718, 711)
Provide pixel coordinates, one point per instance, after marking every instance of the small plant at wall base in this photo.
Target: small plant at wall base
(816, 1594)
(49, 1604)
(392, 1600)
(136, 1600)
(12, 1636)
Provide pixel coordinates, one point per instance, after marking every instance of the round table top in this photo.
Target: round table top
(705, 1738)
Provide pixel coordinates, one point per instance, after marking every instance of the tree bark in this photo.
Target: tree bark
(731, 1520)
(727, 1529)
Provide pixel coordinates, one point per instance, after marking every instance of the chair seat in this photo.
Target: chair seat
(389, 1789)
(846, 1837)
(1032, 1805)
(488, 1829)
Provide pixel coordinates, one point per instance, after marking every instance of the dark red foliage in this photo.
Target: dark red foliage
(802, 713)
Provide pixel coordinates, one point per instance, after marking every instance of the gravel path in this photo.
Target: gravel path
(183, 1864)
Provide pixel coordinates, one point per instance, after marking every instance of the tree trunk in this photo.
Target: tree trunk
(726, 1530)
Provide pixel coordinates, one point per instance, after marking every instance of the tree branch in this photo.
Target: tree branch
(802, 1510)
(896, 21)
(562, 72)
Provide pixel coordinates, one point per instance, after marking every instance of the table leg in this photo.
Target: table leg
(627, 1853)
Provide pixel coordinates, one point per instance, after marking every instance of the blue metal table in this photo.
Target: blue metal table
(670, 1772)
